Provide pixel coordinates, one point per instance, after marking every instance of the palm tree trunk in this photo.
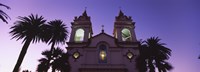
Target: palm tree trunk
(53, 70)
(52, 46)
(22, 55)
(151, 66)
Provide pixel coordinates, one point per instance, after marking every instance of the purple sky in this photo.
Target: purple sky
(176, 22)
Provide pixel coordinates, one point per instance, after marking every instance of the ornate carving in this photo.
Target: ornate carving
(83, 17)
(122, 17)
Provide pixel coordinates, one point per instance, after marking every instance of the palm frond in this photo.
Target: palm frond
(43, 66)
(3, 15)
(156, 54)
(5, 6)
(28, 27)
(58, 31)
(58, 60)
(199, 57)
(47, 54)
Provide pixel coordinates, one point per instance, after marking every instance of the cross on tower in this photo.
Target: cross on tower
(102, 28)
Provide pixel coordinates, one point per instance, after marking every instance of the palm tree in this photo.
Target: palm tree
(141, 60)
(159, 53)
(154, 55)
(3, 15)
(57, 60)
(44, 62)
(57, 33)
(29, 29)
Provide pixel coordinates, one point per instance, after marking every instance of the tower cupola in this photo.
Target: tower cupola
(81, 29)
(124, 28)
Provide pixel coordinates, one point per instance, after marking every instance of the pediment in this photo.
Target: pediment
(103, 37)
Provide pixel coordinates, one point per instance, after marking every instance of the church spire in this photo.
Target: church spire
(121, 13)
(83, 17)
(122, 17)
(85, 12)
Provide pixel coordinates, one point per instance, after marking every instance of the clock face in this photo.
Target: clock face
(76, 55)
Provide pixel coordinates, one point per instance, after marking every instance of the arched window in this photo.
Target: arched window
(79, 35)
(126, 35)
(102, 54)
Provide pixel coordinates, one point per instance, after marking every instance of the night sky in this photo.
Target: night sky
(176, 22)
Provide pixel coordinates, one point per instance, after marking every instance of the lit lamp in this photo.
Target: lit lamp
(76, 55)
(102, 55)
(129, 55)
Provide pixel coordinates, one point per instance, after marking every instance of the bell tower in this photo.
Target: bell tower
(103, 52)
(81, 29)
(124, 28)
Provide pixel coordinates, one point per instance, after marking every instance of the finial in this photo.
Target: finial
(85, 13)
(120, 11)
(102, 28)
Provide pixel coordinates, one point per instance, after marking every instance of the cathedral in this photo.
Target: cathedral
(103, 52)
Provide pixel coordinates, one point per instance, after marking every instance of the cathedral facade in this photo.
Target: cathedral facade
(103, 52)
